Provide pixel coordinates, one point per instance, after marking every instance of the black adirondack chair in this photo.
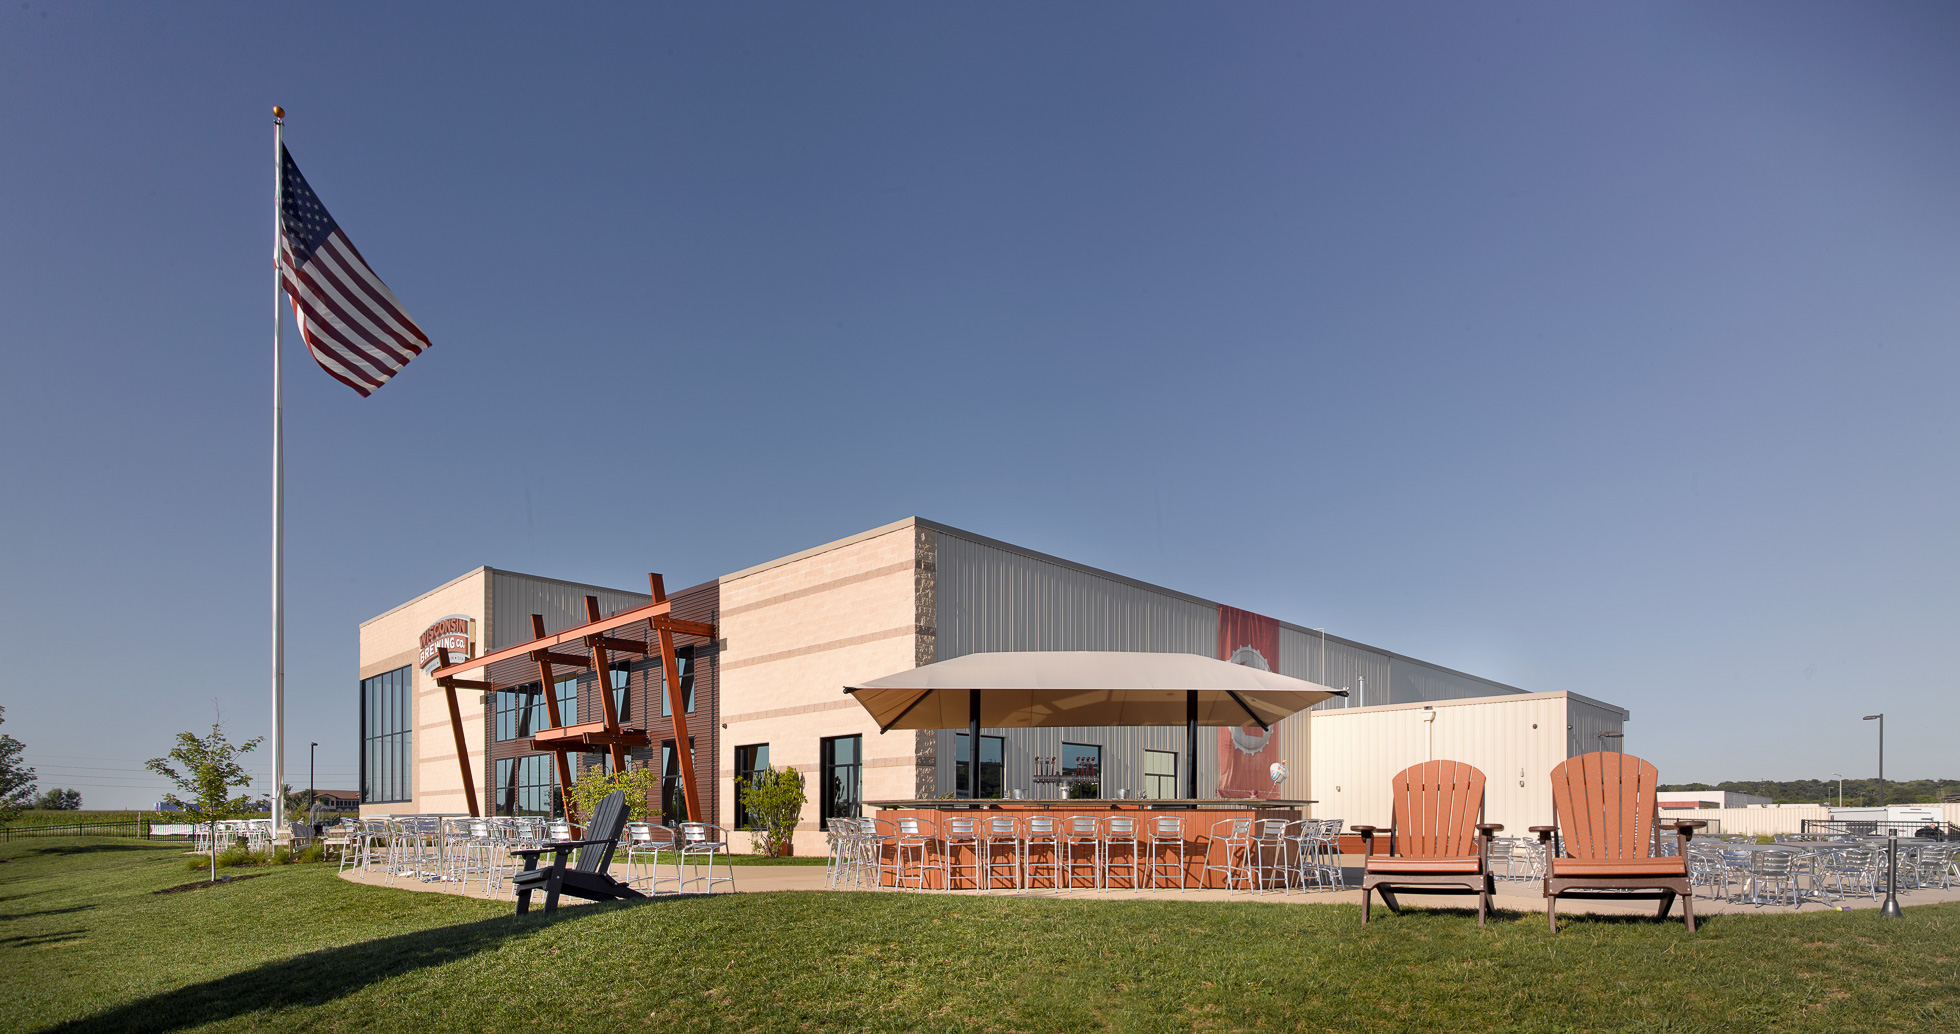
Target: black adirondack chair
(587, 877)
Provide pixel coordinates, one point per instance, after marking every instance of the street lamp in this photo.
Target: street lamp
(1880, 718)
(1839, 776)
(311, 750)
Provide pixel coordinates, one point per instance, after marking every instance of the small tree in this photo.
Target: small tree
(592, 788)
(774, 799)
(59, 799)
(16, 779)
(206, 769)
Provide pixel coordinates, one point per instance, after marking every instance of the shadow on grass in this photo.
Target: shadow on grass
(75, 849)
(1513, 915)
(317, 978)
(29, 940)
(45, 912)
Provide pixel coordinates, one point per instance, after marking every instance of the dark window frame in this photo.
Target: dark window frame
(850, 796)
(388, 736)
(751, 760)
(993, 773)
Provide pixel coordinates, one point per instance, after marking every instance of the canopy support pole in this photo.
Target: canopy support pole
(1191, 744)
(973, 744)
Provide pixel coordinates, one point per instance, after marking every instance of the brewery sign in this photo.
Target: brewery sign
(451, 633)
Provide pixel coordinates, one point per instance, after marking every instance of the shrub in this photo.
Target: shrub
(774, 799)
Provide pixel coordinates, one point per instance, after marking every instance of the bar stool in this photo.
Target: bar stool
(911, 836)
(1232, 840)
(1166, 830)
(1079, 832)
(1001, 831)
(837, 869)
(645, 842)
(1269, 837)
(960, 832)
(1120, 830)
(1041, 830)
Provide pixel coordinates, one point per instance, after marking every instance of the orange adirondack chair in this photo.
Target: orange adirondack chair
(1438, 805)
(1605, 804)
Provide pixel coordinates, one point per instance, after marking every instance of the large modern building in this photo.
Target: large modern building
(762, 684)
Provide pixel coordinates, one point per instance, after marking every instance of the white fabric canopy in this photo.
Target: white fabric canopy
(1051, 688)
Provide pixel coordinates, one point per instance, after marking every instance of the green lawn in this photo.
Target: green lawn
(86, 946)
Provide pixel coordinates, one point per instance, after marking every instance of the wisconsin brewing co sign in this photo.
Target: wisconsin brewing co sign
(451, 633)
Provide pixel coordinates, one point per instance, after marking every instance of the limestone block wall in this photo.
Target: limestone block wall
(795, 632)
(391, 641)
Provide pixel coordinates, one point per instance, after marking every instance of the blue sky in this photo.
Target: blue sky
(1595, 348)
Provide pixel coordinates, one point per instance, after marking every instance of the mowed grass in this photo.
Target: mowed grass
(86, 946)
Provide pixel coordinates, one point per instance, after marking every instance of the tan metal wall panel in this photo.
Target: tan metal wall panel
(1353, 753)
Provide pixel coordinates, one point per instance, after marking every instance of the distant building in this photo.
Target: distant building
(1679, 799)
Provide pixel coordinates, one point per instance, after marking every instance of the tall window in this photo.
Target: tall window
(684, 663)
(992, 748)
(843, 786)
(673, 793)
(520, 712)
(567, 688)
(622, 701)
(1084, 762)
(750, 761)
(1160, 774)
(527, 786)
(386, 745)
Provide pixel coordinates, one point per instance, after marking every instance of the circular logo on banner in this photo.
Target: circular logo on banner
(1250, 739)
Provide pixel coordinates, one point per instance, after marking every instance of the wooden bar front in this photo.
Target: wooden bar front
(1199, 818)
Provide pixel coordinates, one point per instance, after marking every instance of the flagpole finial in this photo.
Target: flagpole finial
(278, 113)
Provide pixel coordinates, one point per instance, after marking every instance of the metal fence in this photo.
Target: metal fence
(1878, 827)
(118, 828)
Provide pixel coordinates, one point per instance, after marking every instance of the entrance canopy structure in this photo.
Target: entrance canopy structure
(1060, 688)
(646, 631)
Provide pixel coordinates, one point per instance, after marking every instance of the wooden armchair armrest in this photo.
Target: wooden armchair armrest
(555, 846)
(1367, 838)
(1485, 829)
(1685, 828)
(1544, 833)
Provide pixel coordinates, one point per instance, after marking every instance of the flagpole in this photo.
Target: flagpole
(278, 492)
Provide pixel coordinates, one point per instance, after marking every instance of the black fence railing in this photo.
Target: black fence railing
(1880, 828)
(115, 828)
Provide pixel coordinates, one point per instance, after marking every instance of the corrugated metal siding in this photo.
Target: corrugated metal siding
(1412, 681)
(1354, 752)
(1587, 721)
(990, 599)
(1344, 665)
(515, 597)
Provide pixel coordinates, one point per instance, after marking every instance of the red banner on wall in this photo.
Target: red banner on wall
(1246, 753)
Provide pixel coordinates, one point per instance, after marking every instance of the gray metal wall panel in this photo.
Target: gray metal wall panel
(1412, 681)
(1585, 722)
(515, 597)
(991, 599)
(1343, 666)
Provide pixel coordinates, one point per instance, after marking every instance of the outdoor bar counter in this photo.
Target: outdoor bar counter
(1199, 816)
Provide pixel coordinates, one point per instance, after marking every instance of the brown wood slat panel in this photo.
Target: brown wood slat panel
(1456, 839)
(1419, 810)
(1567, 807)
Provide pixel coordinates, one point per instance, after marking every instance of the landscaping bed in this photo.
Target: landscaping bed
(86, 946)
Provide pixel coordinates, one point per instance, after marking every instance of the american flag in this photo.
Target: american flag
(353, 325)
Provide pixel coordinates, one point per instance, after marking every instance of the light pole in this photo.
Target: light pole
(1880, 718)
(1839, 776)
(311, 750)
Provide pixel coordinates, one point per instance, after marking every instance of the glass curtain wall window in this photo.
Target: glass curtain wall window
(567, 688)
(683, 663)
(750, 761)
(1160, 774)
(1084, 761)
(386, 740)
(528, 786)
(673, 794)
(992, 750)
(520, 712)
(622, 700)
(843, 769)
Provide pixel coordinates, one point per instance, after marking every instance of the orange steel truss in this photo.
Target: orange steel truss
(600, 645)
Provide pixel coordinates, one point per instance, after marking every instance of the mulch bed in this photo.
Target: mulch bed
(202, 884)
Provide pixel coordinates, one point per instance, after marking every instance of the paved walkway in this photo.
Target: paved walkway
(1515, 896)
